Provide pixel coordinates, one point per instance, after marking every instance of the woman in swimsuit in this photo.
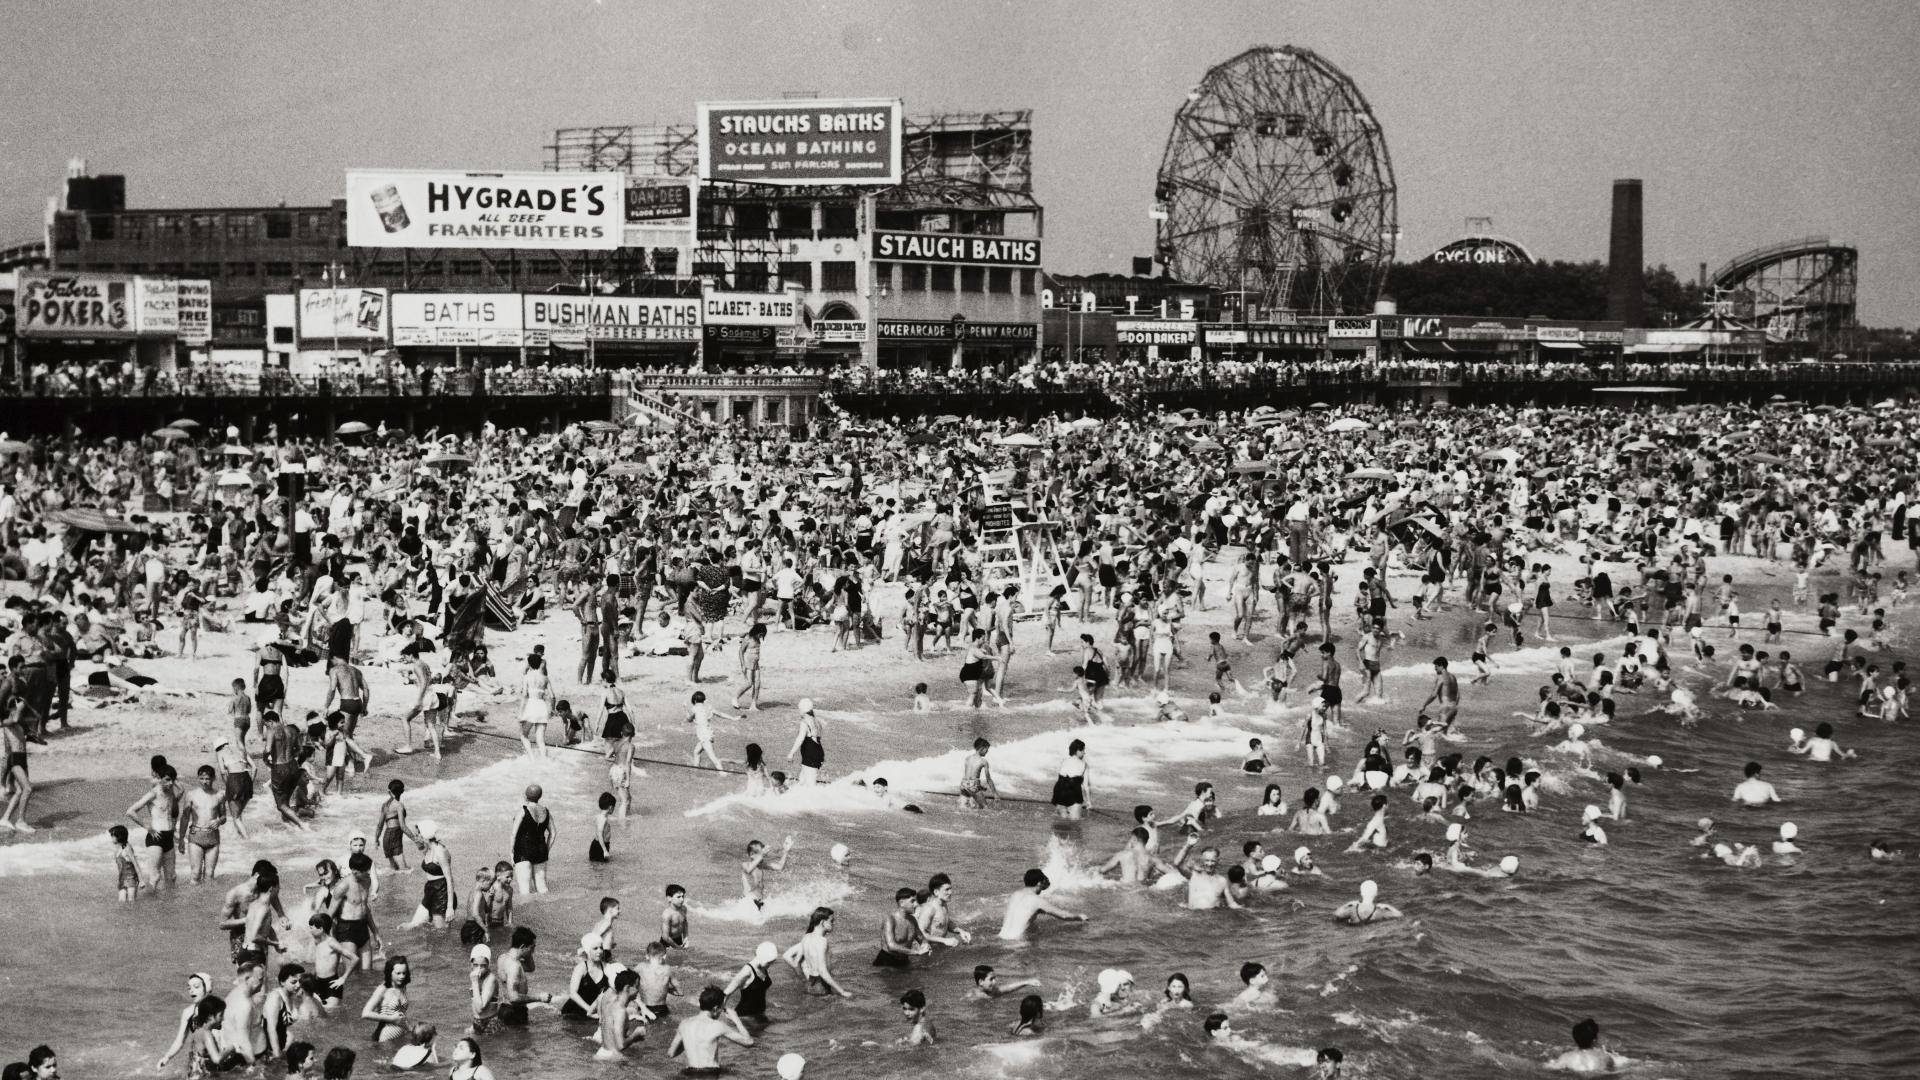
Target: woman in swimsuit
(588, 982)
(387, 1005)
(1071, 793)
(532, 842)
(536, 708)
(752, 982)
(466, 1062)
(977, 669)
(1095, 666)
(809, 745)
(614, 725)
(198, 987)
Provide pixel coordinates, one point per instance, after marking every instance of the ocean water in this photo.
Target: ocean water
(1803, 967)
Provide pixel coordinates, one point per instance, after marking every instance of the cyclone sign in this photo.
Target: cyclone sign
(847, 141)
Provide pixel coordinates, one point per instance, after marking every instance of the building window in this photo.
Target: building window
(242, 226)
(796, 222)
(313, 224)
(940, 279)
(202, 269)
(468, 268)
(666, 261)
(797, 273)
(837, 277)
(1026, 283)
(714, 270)
(752, 218)
(973, 279)
(283, 335)
(203, 226)
(897, 221)
(165, 225)
(751, 276)
(913, 277)
(838, 220)
(279, 270)
(774, 410)
(1000, 280)
(132, 227)
(279, 226)
(882, 277)
(241, 269)
(100, 226)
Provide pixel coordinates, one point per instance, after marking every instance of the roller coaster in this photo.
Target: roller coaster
(1800, 291)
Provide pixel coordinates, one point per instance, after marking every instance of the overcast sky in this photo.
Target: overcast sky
(1750, 122)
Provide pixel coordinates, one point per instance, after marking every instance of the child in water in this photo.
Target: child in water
(126, 864)
(600, 849)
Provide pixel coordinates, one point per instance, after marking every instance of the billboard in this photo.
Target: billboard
(156, 305)
(749, 309)
(74, 305)
(355, 316)
(457, 319)
(842, 141)
(1155, 332)
(580, 211)
(572, 320)
(196, 311)
(1351, 328)
(951, 248)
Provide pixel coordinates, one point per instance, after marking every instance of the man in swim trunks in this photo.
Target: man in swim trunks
(1028, 904)
(1446, 692)
(162, 821)
(900, 936)
(976, 778)
(346, 691)
(699, 1036)
(936, 916)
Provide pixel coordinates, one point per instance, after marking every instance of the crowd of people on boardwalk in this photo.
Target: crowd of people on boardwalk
(391, 550)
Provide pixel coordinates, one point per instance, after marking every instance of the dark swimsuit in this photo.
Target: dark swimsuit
(590, 991)
(529, 840)
(753, 996)
(812, 754)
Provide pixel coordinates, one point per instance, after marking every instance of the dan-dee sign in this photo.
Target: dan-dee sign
(354, 316)
(949, 248)
(848, 141)
(74, 305)
(456, 319)
(575, 319)
(196, 311)
(749, 309)
(552, 210)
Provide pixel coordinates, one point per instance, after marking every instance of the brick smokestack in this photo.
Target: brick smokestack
(1626, 262)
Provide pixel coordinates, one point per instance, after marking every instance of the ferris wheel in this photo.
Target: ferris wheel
(1276, 187)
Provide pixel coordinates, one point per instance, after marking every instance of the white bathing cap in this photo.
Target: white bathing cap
(1797, 734)
(589, 942)
(1301, 852)
(1789, 830)
(1510, 864)
(838, 853)
(766, 953)
(1655, 760)
(428, 830)
(1113, 979)
(480, 954)
(1333, 783)
(1270, 863)
(1454, 830)
(791, 1066)
(1574, 731)
(1591, 813)
(1369, 890)
(805, 705)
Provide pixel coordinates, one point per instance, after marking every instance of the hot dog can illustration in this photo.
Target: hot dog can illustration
(392, 211)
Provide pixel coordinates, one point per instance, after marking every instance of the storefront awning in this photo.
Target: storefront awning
(1666, 347)
(1428, 348)
(1561, 345)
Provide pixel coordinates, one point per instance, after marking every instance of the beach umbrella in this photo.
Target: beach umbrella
(1766, 459)
(1020, 440)
(1245, 467)
(1189, 412)
(1264, 409)
(169, 434)
(445, 458)
(947, 419)
(1084, 423)
(1640, 446)
(352, 427)
(1267, 420)
(185, 423)
(235, 450)
(1736, 436)
(1778, 397)
(1503, 455)
(95, 521)
(234, 478)
(1319, 405)
(602, 427)
(162, 457)
(1370, 474)
(9, 447)
(1206, 445)
(1348, 423)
